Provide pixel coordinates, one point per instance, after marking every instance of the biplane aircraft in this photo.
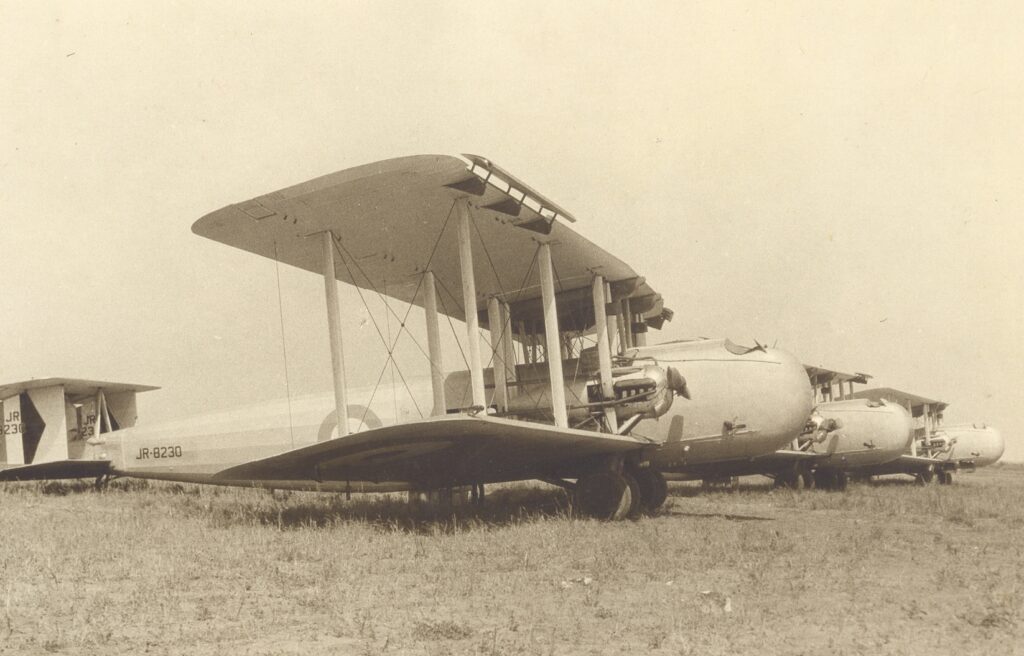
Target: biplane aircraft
(566, 391)
(842, 436)
(936, 451)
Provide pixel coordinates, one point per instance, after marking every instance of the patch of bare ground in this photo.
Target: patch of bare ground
(884, 568)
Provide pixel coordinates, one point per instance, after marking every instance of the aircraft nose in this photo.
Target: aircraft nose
(790, 399)
(997, 445)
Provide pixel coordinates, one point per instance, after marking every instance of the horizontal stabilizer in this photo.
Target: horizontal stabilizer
(49, 471)
(437, 452)
(52, 419)
(73, 387)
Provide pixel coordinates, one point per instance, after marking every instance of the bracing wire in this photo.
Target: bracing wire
(390, 344)
(390, 351)
(284, 347)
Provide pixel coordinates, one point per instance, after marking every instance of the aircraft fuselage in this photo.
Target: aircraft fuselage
(744, 403)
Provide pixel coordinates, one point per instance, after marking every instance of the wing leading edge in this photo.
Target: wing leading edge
(395, 219)
(439, 452)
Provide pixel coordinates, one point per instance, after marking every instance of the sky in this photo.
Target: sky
(842, 180)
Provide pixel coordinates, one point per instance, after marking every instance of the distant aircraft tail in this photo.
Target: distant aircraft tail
(50, 420)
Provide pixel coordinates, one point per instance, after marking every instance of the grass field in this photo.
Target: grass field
(886, 568)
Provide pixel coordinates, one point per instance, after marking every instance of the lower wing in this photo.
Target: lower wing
(440, 452)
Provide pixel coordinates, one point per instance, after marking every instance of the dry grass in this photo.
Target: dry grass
(883, 569)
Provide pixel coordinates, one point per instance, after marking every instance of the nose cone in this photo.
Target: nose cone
(996, 446)
(908, 427)
(871, 433)
(982, 444)
(743, 402)
(787, 401)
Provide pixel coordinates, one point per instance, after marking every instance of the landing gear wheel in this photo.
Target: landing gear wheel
(807, 480)
(925, 478)
(945, 478)
(841, 481)
(604, 495)
(653, 489)
(635, 505)
(790, 480)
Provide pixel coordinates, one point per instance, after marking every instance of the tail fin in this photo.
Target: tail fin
(51, 419)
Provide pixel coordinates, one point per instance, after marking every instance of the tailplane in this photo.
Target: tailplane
(50, 471)
(52, 420)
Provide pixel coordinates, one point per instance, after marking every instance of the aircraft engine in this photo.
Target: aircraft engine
(645, 391)
(939, 443)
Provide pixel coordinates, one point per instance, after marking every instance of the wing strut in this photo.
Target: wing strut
(604, 352)
(434, 344)
(495, 319)
(334, 329)
(554, 342)
(476, 370)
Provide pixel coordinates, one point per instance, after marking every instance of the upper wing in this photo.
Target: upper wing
(438, 452)
(396, 219)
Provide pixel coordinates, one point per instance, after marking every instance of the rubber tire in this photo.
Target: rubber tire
(945, 478)
(604, 495)
(653, 489)
(807, 479)
(842, 479)
(635, 505)
(790, 480)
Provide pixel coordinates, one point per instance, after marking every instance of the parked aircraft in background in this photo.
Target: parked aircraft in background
(568, 391)
(53, 419)
(841, 437)
(936, 450)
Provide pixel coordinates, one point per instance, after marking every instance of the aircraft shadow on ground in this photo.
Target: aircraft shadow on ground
(231, 507)
(676, 512)
(689, 490)
(394, 514)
